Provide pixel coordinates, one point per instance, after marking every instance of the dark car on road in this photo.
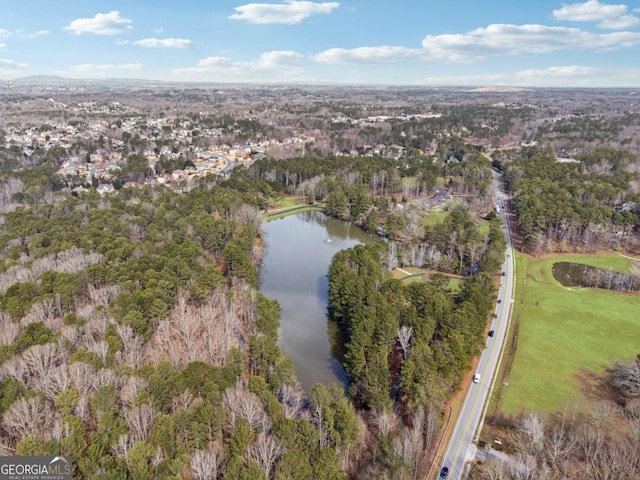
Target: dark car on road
(444, 473)
(491, 332)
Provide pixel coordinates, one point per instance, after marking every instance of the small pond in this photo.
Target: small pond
(571, 274)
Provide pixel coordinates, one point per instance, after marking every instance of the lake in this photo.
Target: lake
(299, 249)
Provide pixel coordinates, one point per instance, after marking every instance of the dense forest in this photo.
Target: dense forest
(369, 177)
(579, 206)
(134, 340)
(406, 342)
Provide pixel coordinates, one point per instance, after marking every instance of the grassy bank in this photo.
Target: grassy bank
(565, 334)
(415, 274)
(281, 213)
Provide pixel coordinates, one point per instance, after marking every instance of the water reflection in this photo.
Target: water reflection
(294, 272)
(571, 274)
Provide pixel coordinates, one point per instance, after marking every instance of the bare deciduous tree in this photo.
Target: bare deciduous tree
(83, 377)
(560, 441)
(101, 296)
(140, 421)
(40, 366)
(100, 348)
(266, 451)
(15, 368)
(405, 334)
(391, 256)
(133, 386)
(386, 421)
(292, 400)
(70, 333)
(434, 255)
(410, 444)
(204, 332)
(43, 311)
(431, 427)
(625, 379)
(33, 416)
(107, 377)
(9, 330)
(241, 403)
(55, 382)
(132, 347)
(206, 463)
(530, 436)
(83, 408)
(414, 220)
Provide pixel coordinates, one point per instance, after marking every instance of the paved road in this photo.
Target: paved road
(228, 165)
(462, 447)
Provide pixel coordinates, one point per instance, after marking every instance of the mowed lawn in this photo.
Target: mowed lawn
(438, 217)
(565, 332)
(433, 218)
(416, 274)
(288, 202)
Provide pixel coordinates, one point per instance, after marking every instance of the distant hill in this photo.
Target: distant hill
(57, 80)
(46, 80)
(499, 89)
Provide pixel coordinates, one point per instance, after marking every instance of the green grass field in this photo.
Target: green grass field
(288, 202)
(422, 275)
(483, 227)
(565, 333)
(433, 218)
(437, 217)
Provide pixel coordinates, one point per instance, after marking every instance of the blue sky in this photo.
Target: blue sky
(403, 42)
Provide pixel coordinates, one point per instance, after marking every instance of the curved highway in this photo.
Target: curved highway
(462, 444)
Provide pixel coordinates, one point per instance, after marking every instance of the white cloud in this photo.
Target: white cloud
(291, 12)
(493, 40)
(279, 58)
(619, 23)
(558, 76)
(2, 45)
(102, 24)
(12, 64)
(20, 33)
(93, 68)
(470, 80)
(158, 30)
(383, 54)
(567, 71)
(505, 39)
(609, 16)
(590, 11)
(270, 66)
(11, 68)
(214, 62)
(163, 42)
(268, 60)
(39, 33)
(120, 41)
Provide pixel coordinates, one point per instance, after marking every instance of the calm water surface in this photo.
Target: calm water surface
(579, 275)
(294, 272)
